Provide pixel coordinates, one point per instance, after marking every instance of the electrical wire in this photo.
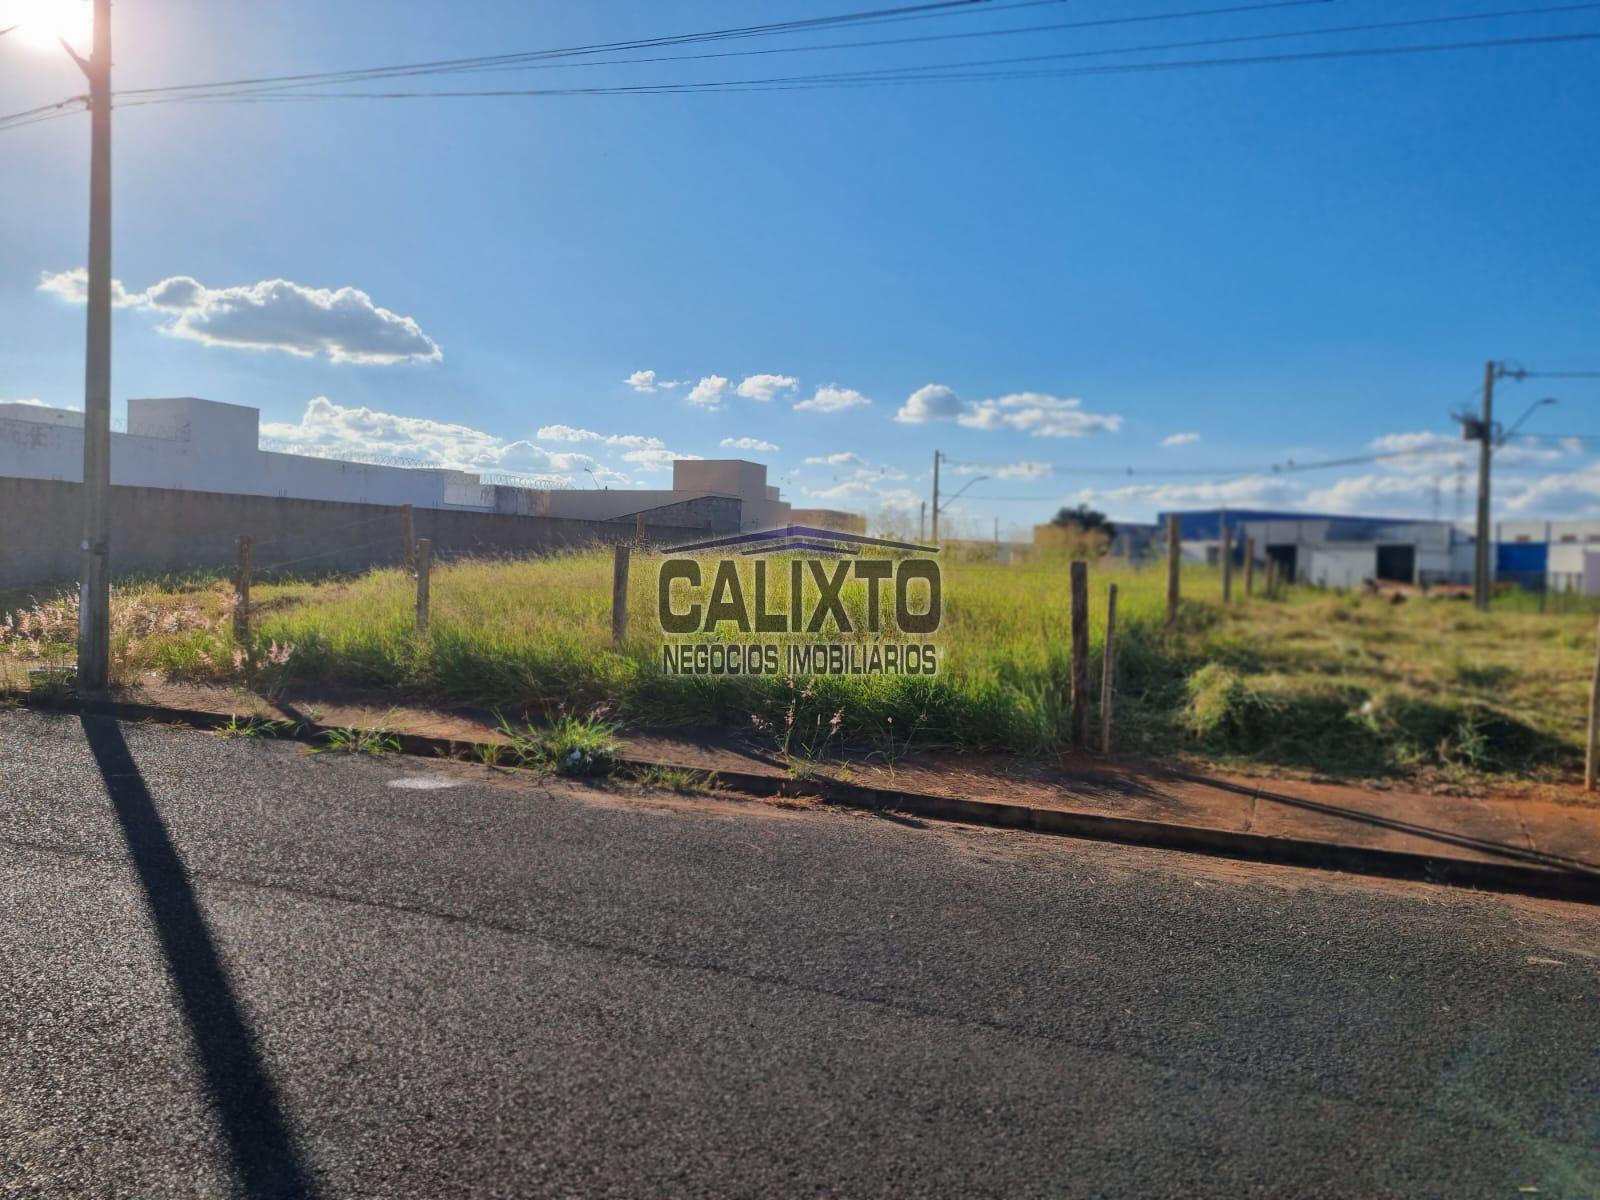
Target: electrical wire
(893, 76)
(875, 16)
(544, 62)
(962, 71)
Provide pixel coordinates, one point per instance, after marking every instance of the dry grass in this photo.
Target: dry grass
(1344, 685)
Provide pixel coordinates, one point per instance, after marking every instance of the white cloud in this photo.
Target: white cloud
(748, 443)
(1039, 415)
(1560, 494)
(566, 433)
(1022, 470)
(849, 489)
(765, 387)
(1373, 495)
(1180, 439)
(342, 324)
(654, 458)
(843, 458)
(832, 398)
(932, 402)
(711, 391)
(1016, 470)
(1252, 491)
(646, 381)
(864, 493)
(1421, 442)
(330, 429)
(621, 441)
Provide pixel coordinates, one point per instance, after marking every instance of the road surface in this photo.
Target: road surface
(233, 968)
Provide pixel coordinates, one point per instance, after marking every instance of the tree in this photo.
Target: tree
(1085, 520)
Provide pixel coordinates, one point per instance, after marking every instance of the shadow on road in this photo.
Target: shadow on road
(263, 1149)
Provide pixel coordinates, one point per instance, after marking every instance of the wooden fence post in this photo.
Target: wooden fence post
(1174, 552)
(1108, 670)
(1590, 765)
(424, 569)
(1227, 561)
(1080, 653)
(1249, 567)
(638, 531)
(408, 538)
(619, 594)
(241, 594)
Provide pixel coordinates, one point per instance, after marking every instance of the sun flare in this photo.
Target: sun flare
(41, 23)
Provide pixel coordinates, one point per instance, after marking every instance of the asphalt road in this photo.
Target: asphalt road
(232, 968)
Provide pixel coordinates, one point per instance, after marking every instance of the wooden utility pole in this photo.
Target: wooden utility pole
(1227, 560)
(424, 569)
(619, 595)
(1590, 765)
(94, 598)
(936, 457)
(1249, 567)
(1080, 654)
(922, 522)
(1481, 585)
(241, 594)
(1108, 669)
(408, 537)
(1174, 552)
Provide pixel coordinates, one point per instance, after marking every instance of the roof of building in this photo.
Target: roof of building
(1201, 524)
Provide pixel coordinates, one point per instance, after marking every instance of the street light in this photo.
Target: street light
(1537, 404)
(945, 506)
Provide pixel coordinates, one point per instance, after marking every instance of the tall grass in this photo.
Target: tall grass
(1342, 684)
(535, 634)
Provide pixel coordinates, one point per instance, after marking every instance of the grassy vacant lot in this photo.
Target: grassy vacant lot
(1338, 684)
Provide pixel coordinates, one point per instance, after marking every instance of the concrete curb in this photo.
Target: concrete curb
(1573, 884)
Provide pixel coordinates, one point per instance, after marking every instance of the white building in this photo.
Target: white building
(188, 444)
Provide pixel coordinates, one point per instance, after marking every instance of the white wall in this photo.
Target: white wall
(188, 444)
(1341, 566)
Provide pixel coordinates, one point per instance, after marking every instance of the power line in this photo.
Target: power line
(544, 60)
(1231, 474)
(1236, 39)
(946, 72)
(874, 16)
(1287, 467)
(892, 76)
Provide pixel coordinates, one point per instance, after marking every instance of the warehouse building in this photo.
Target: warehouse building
(189, 444)
(1332, 549)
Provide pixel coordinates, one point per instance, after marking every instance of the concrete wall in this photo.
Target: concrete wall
(162, 529)
(760, 507)
(828, 518)
(202, 446)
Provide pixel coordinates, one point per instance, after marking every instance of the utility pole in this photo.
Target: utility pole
(936, 457)
(922, 522)
(94, 599)
(1480, 573)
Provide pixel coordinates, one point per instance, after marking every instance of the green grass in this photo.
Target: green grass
(1338, 684)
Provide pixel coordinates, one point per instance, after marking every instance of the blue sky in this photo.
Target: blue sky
(1298, 260)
